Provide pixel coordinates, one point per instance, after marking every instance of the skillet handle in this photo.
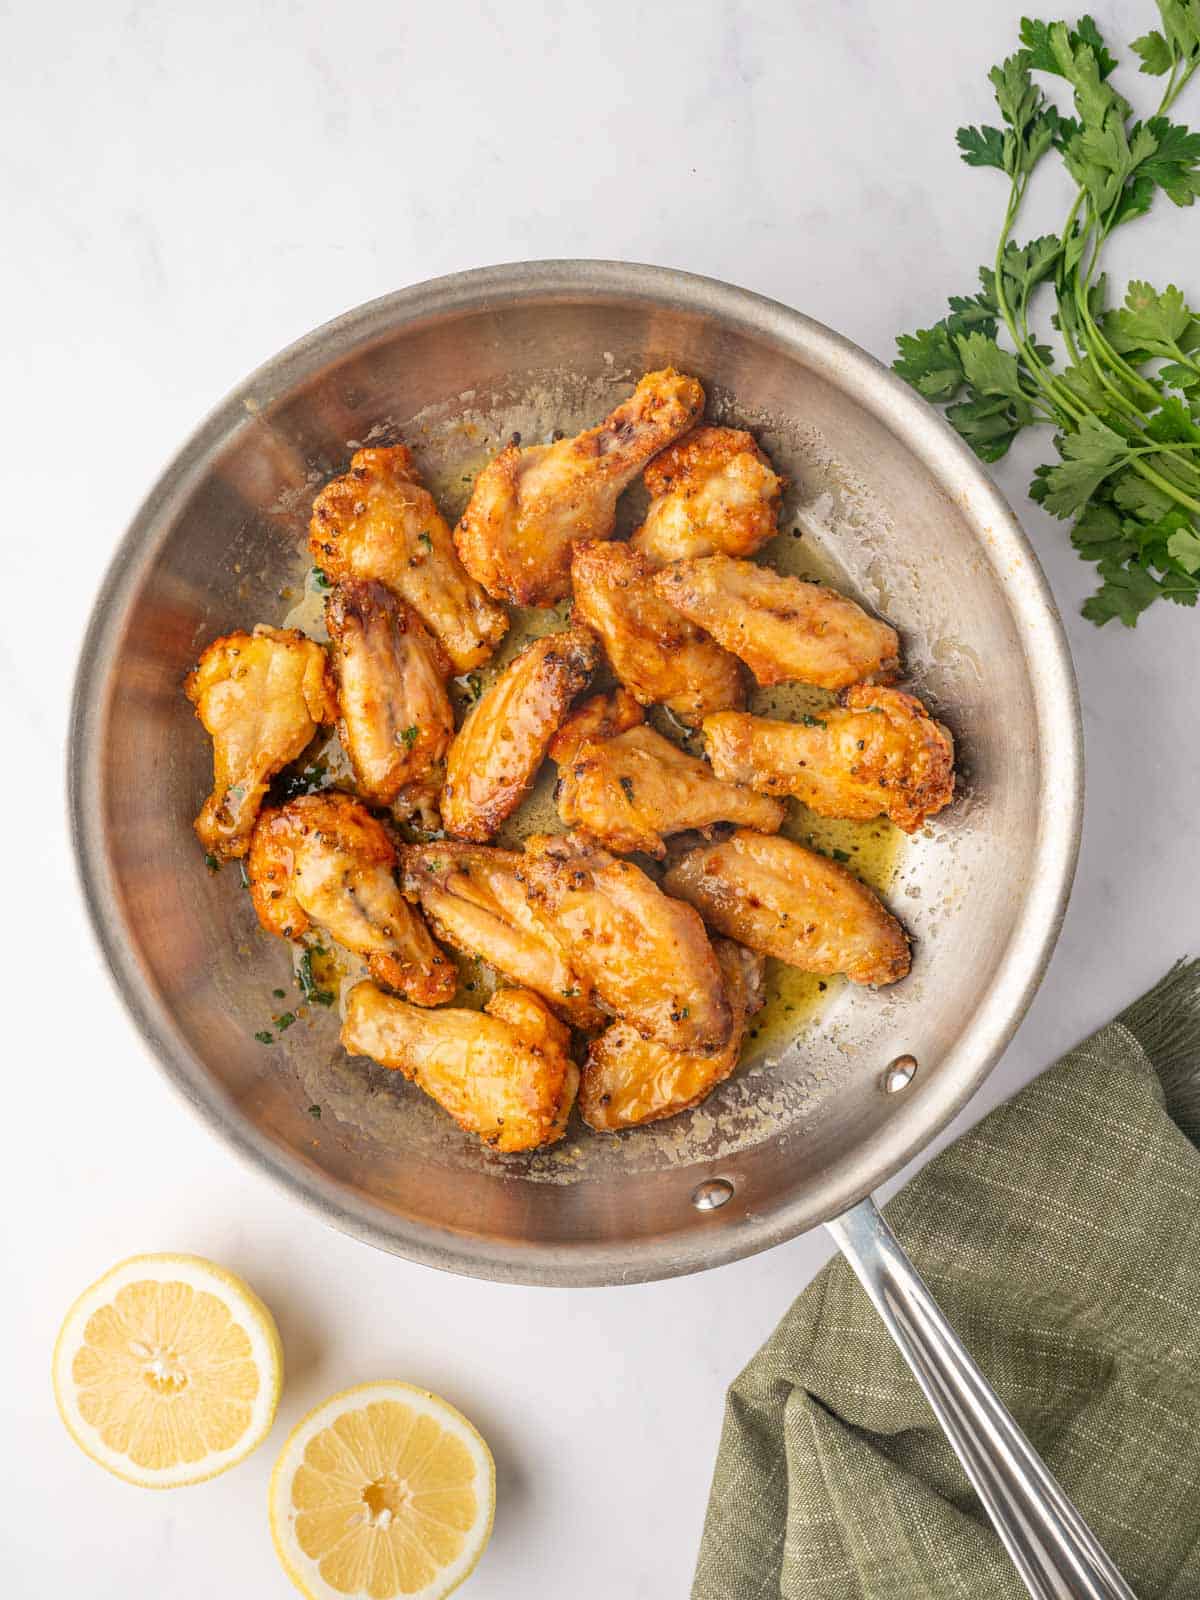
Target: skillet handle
(1053, 1549)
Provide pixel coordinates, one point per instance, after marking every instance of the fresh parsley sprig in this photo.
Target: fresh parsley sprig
(1123, 391)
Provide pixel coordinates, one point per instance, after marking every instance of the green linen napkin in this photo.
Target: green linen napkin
(1061, 1237)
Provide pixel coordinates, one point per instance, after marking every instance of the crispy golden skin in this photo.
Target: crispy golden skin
(647, 956)
(396, 719)
(499, 748)
(628, 1080)
(379, 521)
(657, 654)
(262, 697)
(503, 1074)
(777, 897)
(629, 792)
(879, 753)
(602, 716)
(529, 507)
(783, 628)
(323, 860)
(475, 901)
(713, 490)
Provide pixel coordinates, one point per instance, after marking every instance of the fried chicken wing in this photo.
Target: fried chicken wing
(713, 490)
(602, 716)
(658, 654)
(379, 521)
(628, 1080)
(396, 719)
(262, 697)
(529, 507)
(777, 897)
(502, 743)
(783, 628)
(647, 956)
(323, 860)
(503, 1073)
(879, 753)
(630, 791)
(475, 901)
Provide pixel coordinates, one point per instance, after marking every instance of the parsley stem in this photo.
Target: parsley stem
(1143, 470)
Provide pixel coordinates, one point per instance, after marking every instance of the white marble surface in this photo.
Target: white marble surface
(185, 190)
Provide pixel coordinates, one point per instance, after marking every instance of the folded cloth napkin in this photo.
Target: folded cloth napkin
(1062, 1239)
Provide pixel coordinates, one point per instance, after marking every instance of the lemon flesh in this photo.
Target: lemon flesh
(382, 1491)
(168, 1370)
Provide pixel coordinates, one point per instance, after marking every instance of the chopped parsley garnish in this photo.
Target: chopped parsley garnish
(627, 786)
(810, 721)
(315, 1111)
(296, 783)
(285, 1020)
(410, 735)
(212, 863)
(840, 855)
(279, 994)
(320, 579)
(264, 1037)
(425, 540)
(311, 990)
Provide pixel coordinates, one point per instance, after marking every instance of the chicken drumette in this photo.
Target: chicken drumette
(262, 697)
(783, 628)
(777, 897)
(323, 860)
(878, 753)
(499, 748)
(379, 521)
(529, 507)
(628, 1080)
(396, 720)
(503, 1073)
(659, 655)
(647, 956)
(714, 490)
(630, 791)
(476, 902)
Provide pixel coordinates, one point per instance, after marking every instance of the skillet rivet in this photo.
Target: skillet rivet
(712, 1194)
(900, 1074)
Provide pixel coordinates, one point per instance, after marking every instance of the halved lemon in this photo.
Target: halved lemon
(168, 1370)
(383, 1490)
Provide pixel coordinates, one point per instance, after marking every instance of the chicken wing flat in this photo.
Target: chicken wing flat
(713, 490)
(396, 719)
(602, 716)
(879, 753)
(323, 860)
(379, 521)
(262, 697)
(529, 507)
(647, 956)
(659, 655)
(628, 1080)
(499, 748)
(777, 897)
(475, 901)
(503, 1073)
(629, 792)
(784, 629)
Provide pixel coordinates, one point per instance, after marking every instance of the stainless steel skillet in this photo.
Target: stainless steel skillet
(888, 501)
